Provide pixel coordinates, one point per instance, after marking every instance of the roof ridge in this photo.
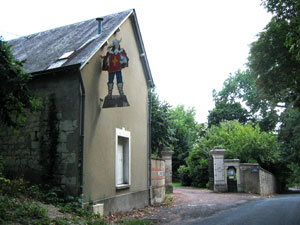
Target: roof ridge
(66, 25)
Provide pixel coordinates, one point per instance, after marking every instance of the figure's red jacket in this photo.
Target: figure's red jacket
(115, 61)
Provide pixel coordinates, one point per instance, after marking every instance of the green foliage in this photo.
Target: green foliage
(227, 111)
(162, 133)
(289, 140)
(247, 143)
(3, 180)
(18, 205)
(168, 198)
(176, 184)
(133, 222)
(184, 175)
(274, 57)
(173, 127)
(288, 11)
(244, 142)
(240, 100)
(196, 171)
(294, 176)
(274, 66)
(186, 133)
(21, 211)
(15, 96)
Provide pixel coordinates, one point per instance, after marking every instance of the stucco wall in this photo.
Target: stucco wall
(101, 124)
(46, 148)
(267, 182)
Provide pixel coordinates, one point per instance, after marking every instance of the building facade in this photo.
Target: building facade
(76, 141)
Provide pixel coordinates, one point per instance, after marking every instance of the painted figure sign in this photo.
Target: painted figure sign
(115, 60)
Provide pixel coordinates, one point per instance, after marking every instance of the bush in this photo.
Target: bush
(196, 171)
(184, 175)
(199, 173)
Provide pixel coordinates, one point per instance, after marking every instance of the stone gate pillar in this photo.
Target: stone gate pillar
(219, 169)
(167, 156)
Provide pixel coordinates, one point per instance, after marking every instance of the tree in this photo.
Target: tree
(15, 95)
(289, 140)
(274, 57)
(247, 143)
(195, 172)
(288, 11)
(162, 133)
(186, 131)
(227, 111)
(240, 100)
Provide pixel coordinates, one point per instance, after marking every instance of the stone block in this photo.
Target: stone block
(68, 125)
(68, 157)
(68, 181)
(62, 148)
(59, 116)
(35, 144)
(62, 136)
(98, 209)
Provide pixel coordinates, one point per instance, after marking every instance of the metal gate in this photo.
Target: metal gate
(231, 180)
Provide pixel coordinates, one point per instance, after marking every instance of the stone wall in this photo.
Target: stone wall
(249, 175)
(158, 180)
(46, 149)
(267, 182)
(167, 157)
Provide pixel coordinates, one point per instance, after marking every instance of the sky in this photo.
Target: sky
(192, 45)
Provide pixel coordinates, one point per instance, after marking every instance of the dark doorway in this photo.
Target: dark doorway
(231, 179)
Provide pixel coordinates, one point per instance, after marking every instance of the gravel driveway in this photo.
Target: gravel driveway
(193, 204)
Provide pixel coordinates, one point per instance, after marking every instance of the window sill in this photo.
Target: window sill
(122, 186)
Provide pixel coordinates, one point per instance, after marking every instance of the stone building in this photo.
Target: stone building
(92, 135)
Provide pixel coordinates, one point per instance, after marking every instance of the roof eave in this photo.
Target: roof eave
(106, 40)
(142, 51)
(141, 48)
(56, 70)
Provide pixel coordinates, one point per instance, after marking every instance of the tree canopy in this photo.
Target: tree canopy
(162, 133)
(288, 11)
(244, 142)
(240, 100)
(15, 95)
(289, 141)
(174, 127)
(186, 130)
(274, 57)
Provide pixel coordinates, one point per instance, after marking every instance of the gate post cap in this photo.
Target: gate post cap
(218, 150)
(167, 151)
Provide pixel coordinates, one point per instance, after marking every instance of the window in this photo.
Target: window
(122, 158)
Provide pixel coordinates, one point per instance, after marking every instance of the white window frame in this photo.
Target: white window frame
(122, 134)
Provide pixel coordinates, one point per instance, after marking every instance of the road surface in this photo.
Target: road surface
(280, 210)
(204, 207)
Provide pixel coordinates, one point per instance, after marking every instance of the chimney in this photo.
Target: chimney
(99, 25)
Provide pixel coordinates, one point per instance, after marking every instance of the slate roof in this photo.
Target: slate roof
(41, 51)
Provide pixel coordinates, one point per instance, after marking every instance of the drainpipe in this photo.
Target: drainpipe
(149, 147)
(82, 131)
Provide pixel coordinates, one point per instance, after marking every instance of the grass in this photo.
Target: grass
(176, 184)
(20, 204)
(133, 222)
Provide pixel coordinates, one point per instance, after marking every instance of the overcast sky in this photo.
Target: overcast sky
(192, 46)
